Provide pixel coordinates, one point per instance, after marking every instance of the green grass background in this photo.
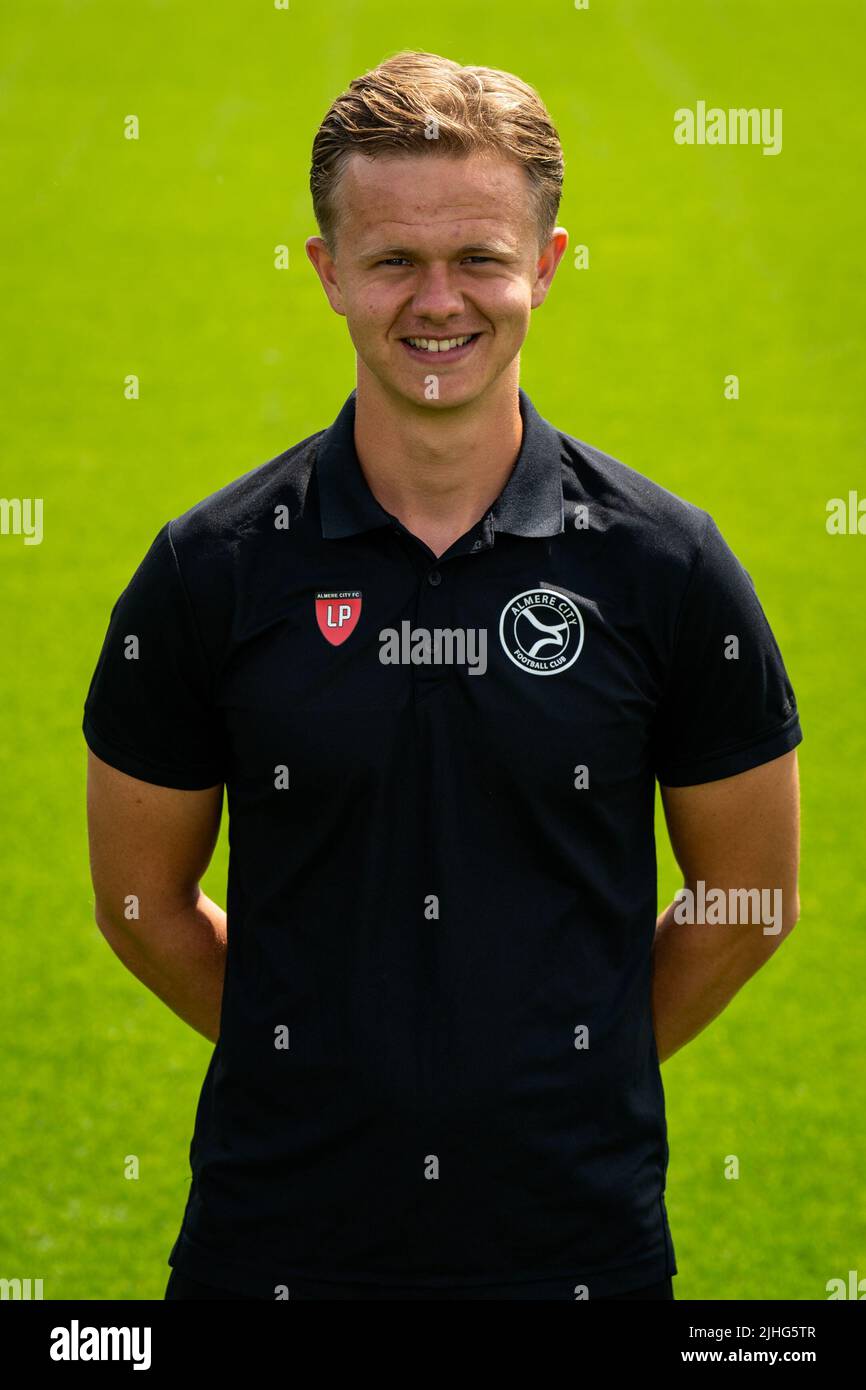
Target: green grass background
(156, 257)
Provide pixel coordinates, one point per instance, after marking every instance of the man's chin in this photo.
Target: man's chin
(436, 392)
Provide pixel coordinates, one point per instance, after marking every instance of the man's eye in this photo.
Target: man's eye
(401, 260)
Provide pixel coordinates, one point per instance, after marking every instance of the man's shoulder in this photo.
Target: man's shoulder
(260, 500)
(629, 505)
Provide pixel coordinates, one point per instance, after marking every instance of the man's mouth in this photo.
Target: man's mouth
(440, 349)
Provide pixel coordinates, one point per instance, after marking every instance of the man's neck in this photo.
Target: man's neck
(438, 471)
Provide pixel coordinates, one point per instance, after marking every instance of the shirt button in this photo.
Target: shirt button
(476, 545)
(434, 578)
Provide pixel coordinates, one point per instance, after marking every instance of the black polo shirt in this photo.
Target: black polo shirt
(436, 1064)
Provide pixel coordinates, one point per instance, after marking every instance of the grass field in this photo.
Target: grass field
(155, 257)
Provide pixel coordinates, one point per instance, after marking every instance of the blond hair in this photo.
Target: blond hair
(420, 103)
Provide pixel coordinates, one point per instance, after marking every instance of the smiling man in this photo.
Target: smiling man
(438, 655)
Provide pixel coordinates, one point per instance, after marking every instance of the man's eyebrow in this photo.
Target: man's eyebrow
(496, 248)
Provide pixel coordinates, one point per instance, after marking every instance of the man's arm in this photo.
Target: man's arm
(738, 832)
(152, 844)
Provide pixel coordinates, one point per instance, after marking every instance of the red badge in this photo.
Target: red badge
(337, 614)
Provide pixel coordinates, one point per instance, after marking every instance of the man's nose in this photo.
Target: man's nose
(437, 294)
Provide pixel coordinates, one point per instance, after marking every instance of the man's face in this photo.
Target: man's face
(436, 247)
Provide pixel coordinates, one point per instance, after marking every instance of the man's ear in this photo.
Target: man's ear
(545, 267)
(326, 269)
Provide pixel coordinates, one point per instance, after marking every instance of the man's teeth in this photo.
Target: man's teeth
(439, 344)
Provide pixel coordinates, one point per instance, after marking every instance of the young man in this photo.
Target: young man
(438, 655)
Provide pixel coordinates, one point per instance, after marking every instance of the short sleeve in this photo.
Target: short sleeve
(149, 710)
(728, 704)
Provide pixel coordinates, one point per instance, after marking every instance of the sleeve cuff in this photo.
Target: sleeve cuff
(134, 766)
(728, 763)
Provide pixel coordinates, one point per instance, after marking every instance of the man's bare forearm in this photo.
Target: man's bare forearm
(180, 957)
(697, 970)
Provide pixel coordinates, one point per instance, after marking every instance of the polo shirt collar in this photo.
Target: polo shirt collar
(530, 504)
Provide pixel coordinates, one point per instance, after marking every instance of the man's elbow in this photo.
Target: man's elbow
(785, 916)
(122, 939)
(110, 921)
(791, 907)
(102, 916)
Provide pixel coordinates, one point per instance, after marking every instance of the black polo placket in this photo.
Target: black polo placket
(440, 582)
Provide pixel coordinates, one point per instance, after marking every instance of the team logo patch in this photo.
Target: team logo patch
(337, 614)
(542, 631)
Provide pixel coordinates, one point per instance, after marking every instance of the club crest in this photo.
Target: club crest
(337, 614)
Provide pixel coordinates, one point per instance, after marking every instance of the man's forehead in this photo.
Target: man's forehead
(403, 187)
(392, 197)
